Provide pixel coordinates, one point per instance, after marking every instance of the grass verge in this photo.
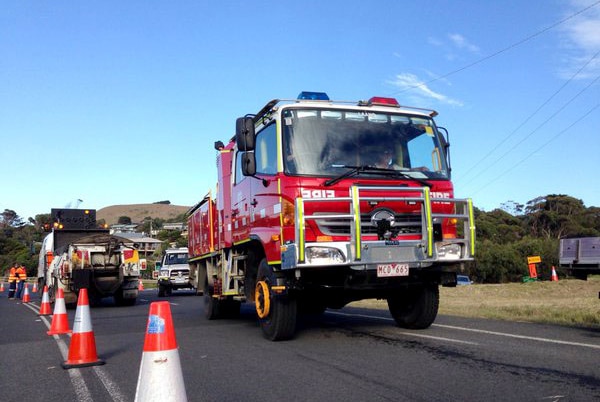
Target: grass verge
(567, 302)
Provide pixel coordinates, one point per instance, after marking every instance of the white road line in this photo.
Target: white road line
(530, 338)
(111, 387)
(439, 338)
(482, 331)
(79, 385)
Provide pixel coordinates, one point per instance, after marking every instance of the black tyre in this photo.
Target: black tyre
(121, 301)
(162, 291)
(278, 321)
(416, 308)
(212, 306)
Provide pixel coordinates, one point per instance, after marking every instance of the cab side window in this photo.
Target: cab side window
(239, 176)
(266, 150)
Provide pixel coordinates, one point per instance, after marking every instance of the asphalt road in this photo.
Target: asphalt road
(345, 355)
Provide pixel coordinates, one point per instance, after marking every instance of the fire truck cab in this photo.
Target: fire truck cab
(322, 203)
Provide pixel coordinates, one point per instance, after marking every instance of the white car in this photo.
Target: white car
(463, 280)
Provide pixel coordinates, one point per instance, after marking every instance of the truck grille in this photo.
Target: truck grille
(177, 273)
(408, 224)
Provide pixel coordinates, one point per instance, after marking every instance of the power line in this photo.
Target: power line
(539, 126)
(531, 116)
(509, 47)
(539, 148)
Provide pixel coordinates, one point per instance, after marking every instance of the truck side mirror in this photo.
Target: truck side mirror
(244, 133)
(248, 163)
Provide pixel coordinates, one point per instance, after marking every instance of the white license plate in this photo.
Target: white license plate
(384, 270)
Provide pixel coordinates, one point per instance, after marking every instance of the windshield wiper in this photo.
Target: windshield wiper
(354, 170)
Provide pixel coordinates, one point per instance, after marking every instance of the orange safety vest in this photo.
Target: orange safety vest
(12, 277)
(22, 273)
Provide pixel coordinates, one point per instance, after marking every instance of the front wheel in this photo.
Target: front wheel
(276, 315)
(162, 291)
(416, 308)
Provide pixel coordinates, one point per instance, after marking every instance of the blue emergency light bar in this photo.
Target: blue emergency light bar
(306, 95)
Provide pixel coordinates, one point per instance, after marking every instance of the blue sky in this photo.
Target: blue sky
(120, 102)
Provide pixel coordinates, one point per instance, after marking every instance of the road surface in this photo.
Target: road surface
(345, 355)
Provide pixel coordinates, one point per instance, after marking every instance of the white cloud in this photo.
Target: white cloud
(418, 90)
(453, 45)
(462, 43)
(434, 41)
(582, 39)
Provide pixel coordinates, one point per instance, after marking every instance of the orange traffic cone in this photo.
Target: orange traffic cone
(554, 277)
(45, 306)
(140, 285)
(1, 287)
(160, 376)
(82, 350)
(60, 321)
(26, 298)
(34, 290)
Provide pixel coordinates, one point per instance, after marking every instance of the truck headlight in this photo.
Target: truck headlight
(164, 272)
(448, 251)
(324, 255)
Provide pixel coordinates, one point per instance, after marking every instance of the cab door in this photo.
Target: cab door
(264, 202)
(240, 208)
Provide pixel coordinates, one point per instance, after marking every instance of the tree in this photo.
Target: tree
(499, 226)
(10, 218)
(17, 244)
(512, 207)
(505, 240)
(555, 216)
(124, 220)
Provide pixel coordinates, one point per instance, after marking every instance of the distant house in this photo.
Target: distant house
(123, 228)
(173, 226)
(146, 245)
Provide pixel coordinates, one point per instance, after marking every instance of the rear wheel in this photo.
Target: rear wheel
(212, 305)
(415, 308)
(277, 315)
(120, 300)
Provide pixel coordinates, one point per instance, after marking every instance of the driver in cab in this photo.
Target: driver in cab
(386, 161)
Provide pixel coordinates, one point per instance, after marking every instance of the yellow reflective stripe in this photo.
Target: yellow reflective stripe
(356, 213)
(281, 240)
(210, 222)
(472, 226)
(242, 242)
(429, 222)
(300, 222)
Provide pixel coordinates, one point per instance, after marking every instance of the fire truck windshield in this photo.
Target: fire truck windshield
(325, 142)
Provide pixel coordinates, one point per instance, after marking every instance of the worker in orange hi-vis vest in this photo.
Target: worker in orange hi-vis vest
(22, 274)
(13, 278)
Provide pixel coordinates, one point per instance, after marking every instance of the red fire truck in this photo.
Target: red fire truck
(321, 203)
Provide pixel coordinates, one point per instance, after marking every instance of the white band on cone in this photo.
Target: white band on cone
(160, 377)
(82, 321)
